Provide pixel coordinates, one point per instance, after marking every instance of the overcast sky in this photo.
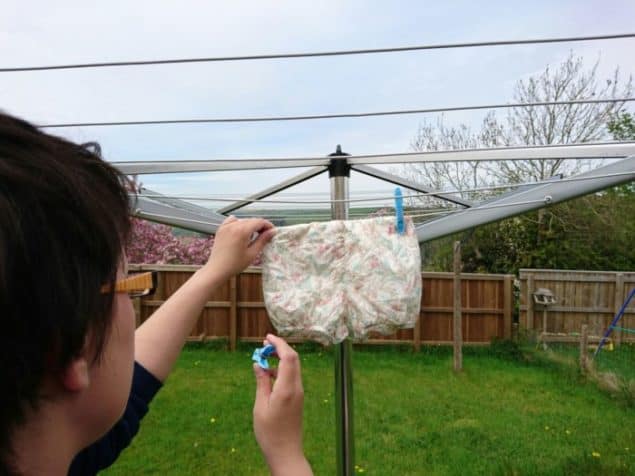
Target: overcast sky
(44, 32)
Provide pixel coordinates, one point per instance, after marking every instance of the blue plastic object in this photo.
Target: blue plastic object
(399, 210)
(613, 325)
(260, 355)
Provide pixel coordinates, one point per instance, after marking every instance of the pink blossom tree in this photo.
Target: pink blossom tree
(152, 243)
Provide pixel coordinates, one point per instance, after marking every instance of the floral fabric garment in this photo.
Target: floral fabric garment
(332, 280)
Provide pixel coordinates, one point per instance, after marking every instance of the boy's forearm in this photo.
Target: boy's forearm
(159, 340)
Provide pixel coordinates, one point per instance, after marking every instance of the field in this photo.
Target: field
(511, 411)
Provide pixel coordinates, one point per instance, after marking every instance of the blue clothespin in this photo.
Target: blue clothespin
(260, 355)
(399, 210)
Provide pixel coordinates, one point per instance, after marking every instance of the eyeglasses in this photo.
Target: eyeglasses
(137, 285)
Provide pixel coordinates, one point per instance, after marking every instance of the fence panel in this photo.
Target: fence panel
(236, 311)
(583, 297)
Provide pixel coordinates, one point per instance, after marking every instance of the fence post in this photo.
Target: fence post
(417, 334)
(233, 313)
(530, 303)
(507, 306)
(544, 320)
(584, 338)
(457, 331)
(136, 305)
(619, 300)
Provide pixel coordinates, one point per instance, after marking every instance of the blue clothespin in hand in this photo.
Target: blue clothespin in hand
(260, 355)
(399, 210)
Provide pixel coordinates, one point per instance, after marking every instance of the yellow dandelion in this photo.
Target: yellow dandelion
(546, 428)
(567, 432)
(196, 444)
(233, 450)
(595, 454)
(212, 420)
(325, 400)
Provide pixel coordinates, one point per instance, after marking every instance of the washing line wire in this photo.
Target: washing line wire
(366, 51)
(414, 195)
(333, 116)
(327, 215)
(142, 214)
(546, 200)
(319, 213)
(286, 194)
(607, 149)
(326, 211)
(145, 215)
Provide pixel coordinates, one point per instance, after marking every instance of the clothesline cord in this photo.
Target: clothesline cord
(414, 195)
(286, 194)
(569, 151)
(334, 116)
(273, 215)
(321, 53)
(546, 200)
(141, 214)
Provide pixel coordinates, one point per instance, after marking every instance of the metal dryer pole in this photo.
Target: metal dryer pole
(339, 173)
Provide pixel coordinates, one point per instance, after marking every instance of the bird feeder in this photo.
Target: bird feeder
(543, 299)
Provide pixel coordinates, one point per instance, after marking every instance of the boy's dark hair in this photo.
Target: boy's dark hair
(63, 226)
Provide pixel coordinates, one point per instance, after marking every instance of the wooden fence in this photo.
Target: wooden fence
(582, 297)
(237, 312)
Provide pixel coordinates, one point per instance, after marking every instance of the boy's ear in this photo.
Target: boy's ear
(76, 376)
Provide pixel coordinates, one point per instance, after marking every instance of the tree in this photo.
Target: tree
(550, 237)
(622, 126)
(538, 125)
(152, 243)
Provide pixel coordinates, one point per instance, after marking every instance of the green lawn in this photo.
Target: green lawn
(413, 416)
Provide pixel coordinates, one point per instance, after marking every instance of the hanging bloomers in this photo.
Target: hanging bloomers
(332, 280)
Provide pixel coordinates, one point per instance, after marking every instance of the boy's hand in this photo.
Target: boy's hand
(278, 413)
(234, 247)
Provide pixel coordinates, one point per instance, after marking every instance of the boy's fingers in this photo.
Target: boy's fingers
(259, 225)
(289, 367)
(263, 387)
(282, 348)
(259, 244)
(264, 238)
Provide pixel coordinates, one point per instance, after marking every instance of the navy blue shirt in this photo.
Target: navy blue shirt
(105, 451)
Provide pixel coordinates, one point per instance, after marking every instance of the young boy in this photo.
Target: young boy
(76, 376)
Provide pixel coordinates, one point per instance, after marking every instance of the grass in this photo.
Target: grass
(505, 414)
(620, 362)
(612, 371)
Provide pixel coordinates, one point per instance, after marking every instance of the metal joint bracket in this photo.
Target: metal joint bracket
(338, 165)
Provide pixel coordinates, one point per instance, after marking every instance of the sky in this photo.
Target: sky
(67, 31)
